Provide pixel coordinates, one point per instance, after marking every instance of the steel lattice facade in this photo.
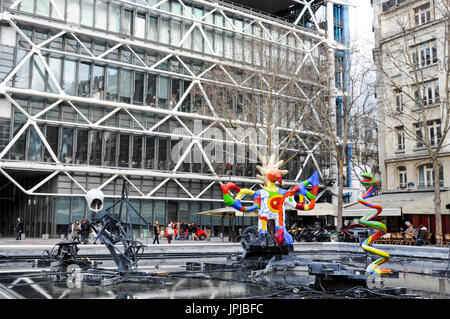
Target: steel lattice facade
(93, 92)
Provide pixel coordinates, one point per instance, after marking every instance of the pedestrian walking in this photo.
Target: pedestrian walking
(85, 231)
(156, 231)
(68, 231)
(169, 232)
(76, 229)
(19, 228)
(184, 230)
(179, 233)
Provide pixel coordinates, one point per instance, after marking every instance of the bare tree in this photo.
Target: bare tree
(416, 107)
(364, 157)
(266, 103)
(342, 108)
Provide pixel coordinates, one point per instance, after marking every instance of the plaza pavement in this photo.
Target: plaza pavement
(35, 246)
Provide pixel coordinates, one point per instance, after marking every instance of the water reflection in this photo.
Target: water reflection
(413, 274)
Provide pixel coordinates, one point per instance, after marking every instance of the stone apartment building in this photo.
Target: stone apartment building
(411, 54)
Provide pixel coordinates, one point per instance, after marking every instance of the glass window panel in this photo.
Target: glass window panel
(69, 77)
(101, 10)
(22, 76)
(138, 87)
(198, 39)
(61, 7)
(71, 45)
(137, 151)
(35, 147)
(95, 158)
(78, 205)
(73, 11)
(147, 211)
(164, 35)
(125, 86)
(18, 149)
(176, 32)
(149, 152)
(84, 79)
(111, 90)
(87, 12)
(55, 65)
(38, 75)
(99, 80)
(66, 154)
(187, 44)
(163, 91)
(151, 89)
(114, 18)
(140, 25)
(174, 98)
(176, 8)
(82, 147)
(186, 104)
(152, 29)
(124, 150)
(62, 214)
(160, 211)
(127, 21)
(52, 139)
(134, 218)
(209, 36)
(27, 5)
(110, 148)
(165, 6)
(43, 7)
(228, 46)
(162, 154)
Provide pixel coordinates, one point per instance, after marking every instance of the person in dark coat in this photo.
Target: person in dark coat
(85, 230)
(19, 228)
(156, 231)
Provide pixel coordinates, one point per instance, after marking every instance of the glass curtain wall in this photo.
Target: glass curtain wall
(82, 146)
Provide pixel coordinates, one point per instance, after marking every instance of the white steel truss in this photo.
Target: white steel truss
(17, 19)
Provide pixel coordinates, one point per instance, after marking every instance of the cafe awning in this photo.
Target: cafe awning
(424, 205)
(227, 212)
(397, 204)
(320, 209)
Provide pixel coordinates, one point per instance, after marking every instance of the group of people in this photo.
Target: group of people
(420, 234)
(180, 231)
(82, 230)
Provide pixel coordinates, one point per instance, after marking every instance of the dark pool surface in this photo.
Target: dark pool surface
(418, 278)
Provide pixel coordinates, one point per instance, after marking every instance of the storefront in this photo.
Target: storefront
(416, 207)
(422, 211)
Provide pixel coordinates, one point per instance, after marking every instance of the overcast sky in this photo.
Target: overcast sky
(361, 20)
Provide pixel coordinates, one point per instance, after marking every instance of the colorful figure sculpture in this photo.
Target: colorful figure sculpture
(368, 222)
(270, 200)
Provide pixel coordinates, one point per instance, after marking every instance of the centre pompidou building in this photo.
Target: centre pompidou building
(93, 92)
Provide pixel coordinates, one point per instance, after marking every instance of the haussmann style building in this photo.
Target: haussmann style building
(412, 53)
